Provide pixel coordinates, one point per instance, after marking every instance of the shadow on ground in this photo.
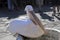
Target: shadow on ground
(47, 8)
(11, 14)
(45, 16)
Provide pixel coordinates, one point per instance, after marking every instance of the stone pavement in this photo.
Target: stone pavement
(4, 35)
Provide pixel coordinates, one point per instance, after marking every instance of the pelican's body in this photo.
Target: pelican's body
(26, 27)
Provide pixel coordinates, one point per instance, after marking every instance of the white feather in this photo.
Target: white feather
(28, 8)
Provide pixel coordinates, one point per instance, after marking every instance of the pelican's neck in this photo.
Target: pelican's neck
(28, 13)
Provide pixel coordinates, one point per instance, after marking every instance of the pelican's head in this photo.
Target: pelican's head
(28, 8)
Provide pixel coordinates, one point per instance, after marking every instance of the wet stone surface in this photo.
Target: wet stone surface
(3, 27)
